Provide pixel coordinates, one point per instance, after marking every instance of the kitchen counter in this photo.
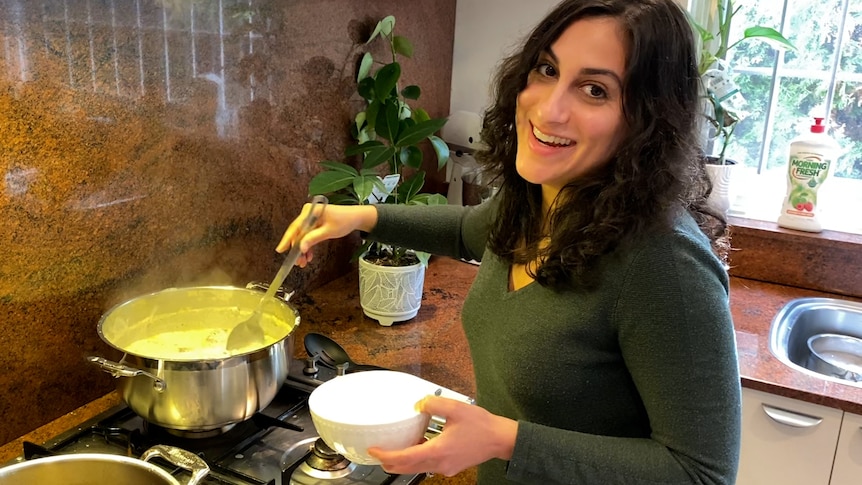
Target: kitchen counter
(754, 303)
(433, 346)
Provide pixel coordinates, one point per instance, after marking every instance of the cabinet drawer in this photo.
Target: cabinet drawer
(786, 441)
(848, 456)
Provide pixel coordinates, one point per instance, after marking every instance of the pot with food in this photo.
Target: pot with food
(176, 370)
(102, 468)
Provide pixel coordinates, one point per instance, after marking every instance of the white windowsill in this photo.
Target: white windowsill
(759, 197)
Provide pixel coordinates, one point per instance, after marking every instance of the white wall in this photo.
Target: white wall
(486, 31)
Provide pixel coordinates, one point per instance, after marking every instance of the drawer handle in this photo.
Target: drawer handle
(791, 418)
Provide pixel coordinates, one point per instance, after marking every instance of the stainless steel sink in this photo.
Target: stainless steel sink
(803, 318)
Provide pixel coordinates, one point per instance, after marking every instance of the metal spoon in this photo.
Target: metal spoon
(249, 332)
(331, 354)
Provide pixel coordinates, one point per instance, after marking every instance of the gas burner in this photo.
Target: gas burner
(324, 458)
(325, 463)
(319, 464)
(186, 434)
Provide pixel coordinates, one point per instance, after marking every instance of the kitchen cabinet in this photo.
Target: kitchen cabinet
(789, 442)
(848, 456)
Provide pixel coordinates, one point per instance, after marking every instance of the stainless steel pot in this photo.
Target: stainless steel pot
(836, 355)
(176, 371)
(102, 469)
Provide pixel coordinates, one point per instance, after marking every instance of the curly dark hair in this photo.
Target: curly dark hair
(656, 172)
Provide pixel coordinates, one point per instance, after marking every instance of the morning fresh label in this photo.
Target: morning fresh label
(807, 172)
(809, 167)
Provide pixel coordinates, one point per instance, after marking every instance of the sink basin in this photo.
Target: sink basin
(803, 318)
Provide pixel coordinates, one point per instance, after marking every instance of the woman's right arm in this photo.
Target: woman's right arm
(454, 231)
(336, 221)
(446, 230)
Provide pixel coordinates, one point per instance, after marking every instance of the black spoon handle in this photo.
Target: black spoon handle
(363, 367)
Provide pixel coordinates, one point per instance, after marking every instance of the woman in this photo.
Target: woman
(598, 323)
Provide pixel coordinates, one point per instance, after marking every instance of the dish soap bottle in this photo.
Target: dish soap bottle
(811, 158)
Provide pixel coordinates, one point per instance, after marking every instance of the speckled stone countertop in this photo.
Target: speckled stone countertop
(754, 304)
(433, 345)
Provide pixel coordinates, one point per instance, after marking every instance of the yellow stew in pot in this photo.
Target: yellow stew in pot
(192, 325)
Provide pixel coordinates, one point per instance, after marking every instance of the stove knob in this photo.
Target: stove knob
(310, 368)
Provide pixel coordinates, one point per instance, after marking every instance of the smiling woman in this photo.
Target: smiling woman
(598, 248)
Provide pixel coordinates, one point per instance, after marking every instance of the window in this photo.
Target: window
(784, 91)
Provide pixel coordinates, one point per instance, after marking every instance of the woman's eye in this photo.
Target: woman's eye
(595, 91)
(546, 69)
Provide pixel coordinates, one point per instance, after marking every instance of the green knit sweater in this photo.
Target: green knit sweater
(635, 382)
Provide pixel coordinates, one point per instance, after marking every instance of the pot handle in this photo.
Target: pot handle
(181, 458)
(120, 370)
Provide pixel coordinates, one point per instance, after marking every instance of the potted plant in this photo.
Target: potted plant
(723, 103)
(388, 133)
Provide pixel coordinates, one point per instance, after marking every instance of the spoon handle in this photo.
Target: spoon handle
(318, 205)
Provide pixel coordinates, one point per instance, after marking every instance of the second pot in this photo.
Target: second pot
(103, 468)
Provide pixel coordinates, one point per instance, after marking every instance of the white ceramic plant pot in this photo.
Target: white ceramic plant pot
(390, 294)
(721, 177)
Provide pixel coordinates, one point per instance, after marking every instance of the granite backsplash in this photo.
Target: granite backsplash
(147, 144)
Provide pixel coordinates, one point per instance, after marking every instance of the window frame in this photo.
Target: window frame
(757, 195)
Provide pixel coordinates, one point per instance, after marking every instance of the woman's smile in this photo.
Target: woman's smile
(551, 140)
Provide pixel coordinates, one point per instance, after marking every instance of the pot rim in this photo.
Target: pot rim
(261, 352)
(835, 342)
(72, 457)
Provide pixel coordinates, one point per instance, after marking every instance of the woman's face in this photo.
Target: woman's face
(569, 117)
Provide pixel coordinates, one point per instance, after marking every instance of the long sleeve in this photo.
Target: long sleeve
(446, 230)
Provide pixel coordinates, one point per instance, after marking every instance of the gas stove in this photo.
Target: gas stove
(277, 446)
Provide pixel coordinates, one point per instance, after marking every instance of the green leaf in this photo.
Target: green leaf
(402, 46)
(359, 121)
(365, 67)
(429, 199)
(423, 257)
(404, 111)
(408, 190)
(405, 124)
(384, 27)
(341, 199)
(370, 172)
(365, 88)
(705, 35)
(411, 156)
(419, 115)
(362, 148)
(339, 167)
(365, 134)
(362, 250)
(327, 182)
(386, 80)
(441, 149)
(371, 115)
(363, 187)
(388, 24)
(378, 156)
(419, 132)
(411, 92)
(770, 36)
(387, 122)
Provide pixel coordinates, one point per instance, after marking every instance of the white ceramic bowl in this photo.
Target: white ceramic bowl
(370, 409)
